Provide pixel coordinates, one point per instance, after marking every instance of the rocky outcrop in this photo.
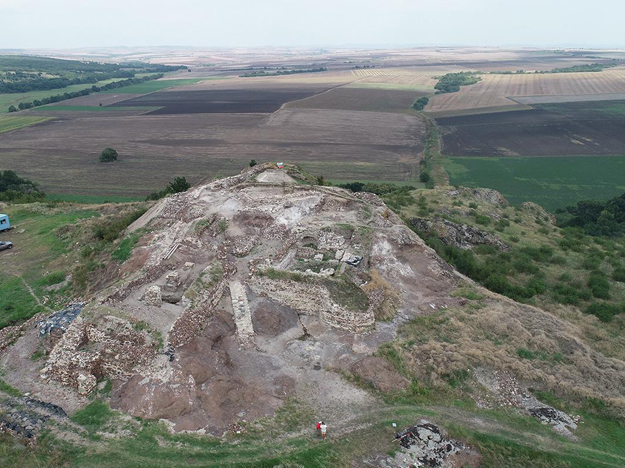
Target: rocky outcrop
(426, 444)
(480, 194)
(539, 212)
(462, 236)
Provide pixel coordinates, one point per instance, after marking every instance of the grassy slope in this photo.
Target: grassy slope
(552, 182)
(39, 258)
(13, 122)
(571, 264)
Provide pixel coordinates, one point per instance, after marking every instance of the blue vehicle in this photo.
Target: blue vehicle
(5, 225)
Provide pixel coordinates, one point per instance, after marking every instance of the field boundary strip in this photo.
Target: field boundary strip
(11, 123)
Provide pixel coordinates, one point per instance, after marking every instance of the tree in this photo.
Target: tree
(420, 103)
(424, 177)
(178, 185)
(108, 155)
(12, 109)
(252, 162)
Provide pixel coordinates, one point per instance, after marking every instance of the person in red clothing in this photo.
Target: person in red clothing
(319, 427)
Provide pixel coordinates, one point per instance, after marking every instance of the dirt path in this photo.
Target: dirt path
(32, 293)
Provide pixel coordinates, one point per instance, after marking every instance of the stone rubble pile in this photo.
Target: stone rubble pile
(26, 417)
(426, 445)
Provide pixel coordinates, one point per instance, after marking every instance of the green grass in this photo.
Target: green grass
(16, 303)
(57, 108)
(124, 249)
(607, 108)
(151, 86)
(13, 122)
(93, 416)
(552, 182)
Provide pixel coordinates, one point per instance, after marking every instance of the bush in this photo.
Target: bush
(482, 219)
(424, 177)
(525, 353)
(599, 285)
(253, 161)
(605, 311)
(619, 275)
(178, 185)
(108, 231)
(570, 294)
(108, 155)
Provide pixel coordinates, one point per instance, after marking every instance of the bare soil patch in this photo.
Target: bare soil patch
(573, 129)
(218, 101)
(360, 99)
(62, 155)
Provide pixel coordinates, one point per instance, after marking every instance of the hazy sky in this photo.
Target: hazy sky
(87, 23)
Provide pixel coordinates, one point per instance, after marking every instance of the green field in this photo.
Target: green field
(552, 182)
(613, 108)
(54, 108)
(151, 86)
(14, 99)
(13, 122)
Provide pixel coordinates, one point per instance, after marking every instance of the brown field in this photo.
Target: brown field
(494, 92)
(62, 155)
(360, 99)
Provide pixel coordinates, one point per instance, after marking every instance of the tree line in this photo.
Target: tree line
(83, 92)
(20, 74)
(282, 72)
(14, 188)
(596, 218)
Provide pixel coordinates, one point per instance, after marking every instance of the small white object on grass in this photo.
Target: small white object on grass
(394, 424)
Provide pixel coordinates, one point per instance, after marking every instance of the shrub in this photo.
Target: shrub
(599, 285)
(108, 155)
(619, 275)
(424, 177)
(570, 294)
(482, 219)
(124, 249)
(536, 286)
(178, 185)
(108, 231)
(605, 311)
(525, 353)
(253, 161)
